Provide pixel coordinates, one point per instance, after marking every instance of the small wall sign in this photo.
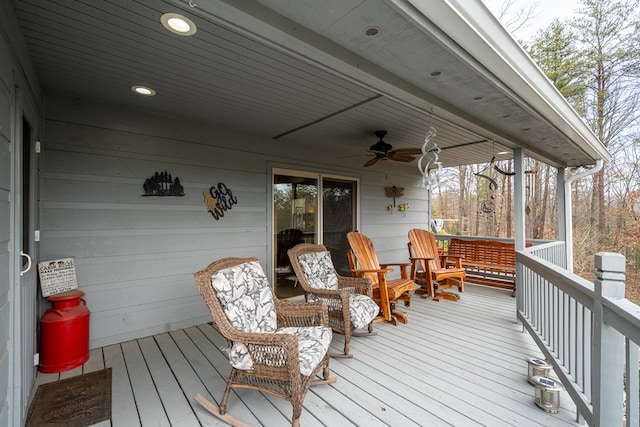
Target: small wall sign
(219, 199)
(161, 184)
(57, 276)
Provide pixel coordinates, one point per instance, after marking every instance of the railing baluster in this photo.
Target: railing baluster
(632, 388)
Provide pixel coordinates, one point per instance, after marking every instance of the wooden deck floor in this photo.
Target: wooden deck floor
(453, 364)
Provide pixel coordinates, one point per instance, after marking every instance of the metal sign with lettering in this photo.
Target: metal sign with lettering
(219, 199)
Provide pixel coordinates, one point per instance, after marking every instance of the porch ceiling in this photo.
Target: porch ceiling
(297, 71)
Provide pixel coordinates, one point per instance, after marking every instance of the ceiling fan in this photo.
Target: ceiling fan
(383, 150)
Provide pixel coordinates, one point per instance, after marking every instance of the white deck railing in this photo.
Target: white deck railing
(588, 331)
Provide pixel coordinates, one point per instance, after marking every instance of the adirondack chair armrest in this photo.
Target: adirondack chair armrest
(295, 313)
(398, 264)
(420, 259)
(456, 260)
(403, 267)
(377, 270)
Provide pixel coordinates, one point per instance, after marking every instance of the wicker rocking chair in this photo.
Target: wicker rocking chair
(348, 299)
(274, 346)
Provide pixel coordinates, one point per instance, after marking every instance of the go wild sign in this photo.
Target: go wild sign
(219, 199)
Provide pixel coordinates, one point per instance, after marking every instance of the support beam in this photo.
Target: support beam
(519, 199)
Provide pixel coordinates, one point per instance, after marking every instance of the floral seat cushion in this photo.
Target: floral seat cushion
(320, 273)
(363, 310)
(248, 303)
(318, 269)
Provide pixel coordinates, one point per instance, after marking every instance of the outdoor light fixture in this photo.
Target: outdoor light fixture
(547, 394)
(143, 90)
(430, 151)
(372, 31)
(537, 368)
(178, 24)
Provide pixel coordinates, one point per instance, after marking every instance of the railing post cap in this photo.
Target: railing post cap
(610, 261)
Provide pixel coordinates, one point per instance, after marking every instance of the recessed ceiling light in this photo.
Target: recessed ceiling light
(502, 152)
(436, 73)
(143, 90)
(505, 116)
(178, 24)
(478, 98)
(372, 31)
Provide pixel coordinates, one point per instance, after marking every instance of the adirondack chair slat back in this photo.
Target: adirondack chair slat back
(365, 254)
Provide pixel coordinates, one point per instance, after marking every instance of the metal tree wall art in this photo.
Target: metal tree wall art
(219, 199)
(161, 184)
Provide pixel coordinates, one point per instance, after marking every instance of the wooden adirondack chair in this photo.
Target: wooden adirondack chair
(428, 267)
(364, 263)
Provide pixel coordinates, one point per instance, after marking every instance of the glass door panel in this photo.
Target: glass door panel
(338, 218)
(295, 213)
(301, 215)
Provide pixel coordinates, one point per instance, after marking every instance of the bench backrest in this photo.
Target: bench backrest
(484, 251)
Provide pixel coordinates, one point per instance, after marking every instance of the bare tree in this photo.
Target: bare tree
(608, 33)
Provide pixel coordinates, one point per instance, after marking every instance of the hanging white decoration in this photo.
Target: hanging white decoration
(429, 160)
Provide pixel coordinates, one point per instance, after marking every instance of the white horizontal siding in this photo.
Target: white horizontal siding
(135, 255)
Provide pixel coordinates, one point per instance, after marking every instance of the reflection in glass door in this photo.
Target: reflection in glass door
(299, 215)
(338, 218)
(295, 218)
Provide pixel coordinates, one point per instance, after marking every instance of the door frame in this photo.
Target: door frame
(21, 367)
(308, 173)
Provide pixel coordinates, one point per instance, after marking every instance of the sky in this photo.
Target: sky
(547, 11)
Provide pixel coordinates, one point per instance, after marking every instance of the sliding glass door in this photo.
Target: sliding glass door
(311, 208)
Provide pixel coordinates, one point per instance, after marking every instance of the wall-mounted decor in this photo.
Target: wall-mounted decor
(393, 192)
(219, 200)
(57, 276)
(161, 184)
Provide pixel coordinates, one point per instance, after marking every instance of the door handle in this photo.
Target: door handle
(23, 272)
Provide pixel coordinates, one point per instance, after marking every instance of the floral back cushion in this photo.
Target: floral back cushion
(243, 291)
(318, 269)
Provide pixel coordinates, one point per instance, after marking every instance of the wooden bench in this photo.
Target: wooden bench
(487, 262)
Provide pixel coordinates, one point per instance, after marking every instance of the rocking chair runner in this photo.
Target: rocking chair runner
(364, 263)
(348, 299)
(429, 267)
(274, 346)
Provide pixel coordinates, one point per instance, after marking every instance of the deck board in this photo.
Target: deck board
(146, 396)
(123, 405)
(175, 403)
(454, 364)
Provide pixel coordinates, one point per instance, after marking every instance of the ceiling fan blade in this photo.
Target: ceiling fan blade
(371, 162)
(407, 151)
(402, 158)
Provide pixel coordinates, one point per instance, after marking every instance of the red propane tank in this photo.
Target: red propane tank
(64, 333)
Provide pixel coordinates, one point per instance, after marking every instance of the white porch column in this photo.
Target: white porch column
(519, 202)
(564, 217)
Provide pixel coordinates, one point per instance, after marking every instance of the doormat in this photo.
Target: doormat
(73, 402)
